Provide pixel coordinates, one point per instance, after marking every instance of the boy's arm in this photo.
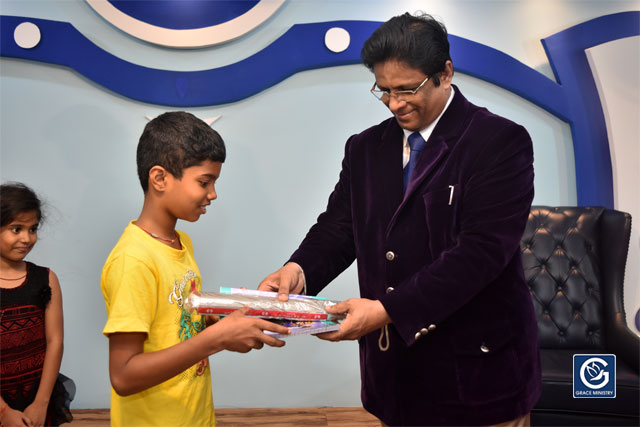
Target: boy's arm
(132, 370)
(54, 327)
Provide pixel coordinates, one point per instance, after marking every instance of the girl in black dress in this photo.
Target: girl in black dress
(31, 326)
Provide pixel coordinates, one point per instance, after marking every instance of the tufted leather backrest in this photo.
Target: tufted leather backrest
(562, 257)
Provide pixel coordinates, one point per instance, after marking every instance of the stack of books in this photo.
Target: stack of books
(302, 314)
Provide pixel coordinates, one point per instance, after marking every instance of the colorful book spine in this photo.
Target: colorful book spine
(270, 314)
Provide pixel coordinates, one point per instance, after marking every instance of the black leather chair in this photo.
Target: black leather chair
(574, 261)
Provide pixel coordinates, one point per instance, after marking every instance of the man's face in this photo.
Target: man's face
(413, 112)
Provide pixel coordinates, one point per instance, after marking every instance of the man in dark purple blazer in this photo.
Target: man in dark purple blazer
(432, 203)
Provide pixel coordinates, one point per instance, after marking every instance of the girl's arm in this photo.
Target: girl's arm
(54, 332)
(12, 417)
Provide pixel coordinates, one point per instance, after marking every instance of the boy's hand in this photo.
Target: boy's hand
(237, 332)
(210, 320)
(288, 280)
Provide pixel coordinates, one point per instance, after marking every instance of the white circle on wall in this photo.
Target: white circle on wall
(337, 39)
(27, 35)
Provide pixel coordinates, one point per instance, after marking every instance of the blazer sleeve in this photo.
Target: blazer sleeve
(496, 200)
(328, 248)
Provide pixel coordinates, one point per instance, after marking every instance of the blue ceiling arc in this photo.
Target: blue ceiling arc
(573, 98)
(300, 48)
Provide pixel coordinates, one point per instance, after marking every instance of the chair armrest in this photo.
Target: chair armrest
(615, 233)
(623, 342)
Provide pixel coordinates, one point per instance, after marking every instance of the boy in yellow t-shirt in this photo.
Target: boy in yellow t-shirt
(158, 353)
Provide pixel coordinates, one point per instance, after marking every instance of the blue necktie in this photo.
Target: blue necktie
(416, 142)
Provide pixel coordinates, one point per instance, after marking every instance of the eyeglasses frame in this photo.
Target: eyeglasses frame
(394, 94)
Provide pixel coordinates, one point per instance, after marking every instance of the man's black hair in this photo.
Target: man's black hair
(176, 141)
(419, 41)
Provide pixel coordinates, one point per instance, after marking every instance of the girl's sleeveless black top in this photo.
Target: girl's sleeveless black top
(24, 344)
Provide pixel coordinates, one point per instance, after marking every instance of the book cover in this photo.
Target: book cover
(304, 327)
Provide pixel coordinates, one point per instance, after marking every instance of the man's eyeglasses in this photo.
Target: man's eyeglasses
(399, 95)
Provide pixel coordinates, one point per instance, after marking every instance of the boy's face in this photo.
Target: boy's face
(188, 197)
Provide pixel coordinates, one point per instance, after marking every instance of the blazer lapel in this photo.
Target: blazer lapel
(389, 156)
(443, 138)
(432, 154)
(434, 150)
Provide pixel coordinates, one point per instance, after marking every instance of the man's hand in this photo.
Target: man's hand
(288, 280)
(363, 316)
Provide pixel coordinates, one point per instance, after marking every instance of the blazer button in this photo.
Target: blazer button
(417, 336)
(390, 256)
(432, 327)
(389, 289)
(424, 331)
(484, 349)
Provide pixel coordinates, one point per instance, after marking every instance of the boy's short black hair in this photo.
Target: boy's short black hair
(420, 41)
(176, 141)
(17, 198)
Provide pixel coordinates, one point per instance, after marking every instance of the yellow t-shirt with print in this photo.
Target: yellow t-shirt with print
(143, 282)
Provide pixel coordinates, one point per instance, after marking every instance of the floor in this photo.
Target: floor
(342, 417)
